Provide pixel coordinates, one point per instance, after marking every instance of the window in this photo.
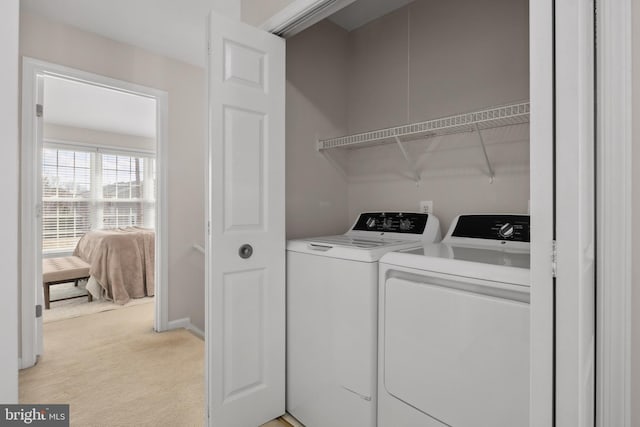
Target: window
(84, 190)
(66, 193)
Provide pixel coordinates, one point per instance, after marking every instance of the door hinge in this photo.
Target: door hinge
(39, 110)
(38, 311)
(209, 228)
(554, 258)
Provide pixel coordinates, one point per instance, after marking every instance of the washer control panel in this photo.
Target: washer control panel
(392, 222)
(495, 227)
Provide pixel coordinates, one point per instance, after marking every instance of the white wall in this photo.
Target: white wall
(316, 105)
(9, 19)
(185, 84)
(97, 138)
(635, 292)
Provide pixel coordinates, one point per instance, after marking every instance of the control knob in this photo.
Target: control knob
(506, 231)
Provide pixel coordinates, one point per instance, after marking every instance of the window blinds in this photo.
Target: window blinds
(89, 190)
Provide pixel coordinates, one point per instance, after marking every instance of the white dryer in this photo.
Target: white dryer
(332, 304)
(454, 328)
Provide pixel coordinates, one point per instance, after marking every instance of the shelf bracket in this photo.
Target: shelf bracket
(414, 171)
(332, 161)
(486, 157)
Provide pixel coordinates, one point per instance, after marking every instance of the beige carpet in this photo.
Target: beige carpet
(77, 307)
(115, 371)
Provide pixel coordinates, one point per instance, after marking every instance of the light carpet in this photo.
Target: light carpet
(67, 290)
(114, 370)
(77, 307)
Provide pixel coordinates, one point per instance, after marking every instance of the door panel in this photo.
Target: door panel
(244, 337)
(246, 247)
(244, 169)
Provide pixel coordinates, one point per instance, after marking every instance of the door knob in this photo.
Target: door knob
(245, 251)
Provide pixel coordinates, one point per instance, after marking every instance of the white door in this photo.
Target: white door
(575, 214)
(246, 248)
(562, 213)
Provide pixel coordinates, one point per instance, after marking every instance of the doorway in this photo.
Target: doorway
(45, 152)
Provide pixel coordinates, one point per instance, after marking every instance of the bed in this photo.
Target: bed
(122, 262)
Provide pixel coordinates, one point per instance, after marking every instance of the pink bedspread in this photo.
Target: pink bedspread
(122, 261)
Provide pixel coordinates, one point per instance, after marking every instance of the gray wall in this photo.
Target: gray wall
(317, 61)
(255, 12)
(185, 84)
(9, 11)
(426, 60)
(431, 59)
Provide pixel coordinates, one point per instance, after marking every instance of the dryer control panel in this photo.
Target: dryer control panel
(494, 227)
(392, 222)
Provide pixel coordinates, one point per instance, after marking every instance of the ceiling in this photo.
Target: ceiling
(82, 105)
(362, 12)
(173, 28)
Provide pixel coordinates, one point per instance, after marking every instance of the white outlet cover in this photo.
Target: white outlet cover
(426, 206)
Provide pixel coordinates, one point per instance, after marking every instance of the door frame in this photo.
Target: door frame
(542, 101)
(31, 255)
(613, 204)
(542, 192)
(613, 212)
(542, 19)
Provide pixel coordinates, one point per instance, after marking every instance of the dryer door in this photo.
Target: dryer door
(457, 349)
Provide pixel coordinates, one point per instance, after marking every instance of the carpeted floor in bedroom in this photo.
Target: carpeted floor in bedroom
(114, 370)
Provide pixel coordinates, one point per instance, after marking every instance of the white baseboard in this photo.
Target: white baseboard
(289, 418)
(185, 323)
(193, 328)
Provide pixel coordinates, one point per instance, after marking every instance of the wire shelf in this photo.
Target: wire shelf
(506, 115)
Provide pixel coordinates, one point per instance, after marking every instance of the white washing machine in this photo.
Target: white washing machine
(332, 305)
(454, 328)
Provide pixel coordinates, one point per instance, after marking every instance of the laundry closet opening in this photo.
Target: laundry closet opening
(380, 65)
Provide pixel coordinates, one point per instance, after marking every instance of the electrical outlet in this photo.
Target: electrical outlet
(426, 206)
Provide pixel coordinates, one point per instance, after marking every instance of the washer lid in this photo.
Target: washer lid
(493, 264)
(349, 247)
(346, 240)
(494, 256)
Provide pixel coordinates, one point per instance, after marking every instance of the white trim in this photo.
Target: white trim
(104, 149)
(30, 189)
(614, 207)
(28, 208)
(162, 212)
(300, 15)
(291, 420)
(185, 323)
(575, 213)
(541, 161)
